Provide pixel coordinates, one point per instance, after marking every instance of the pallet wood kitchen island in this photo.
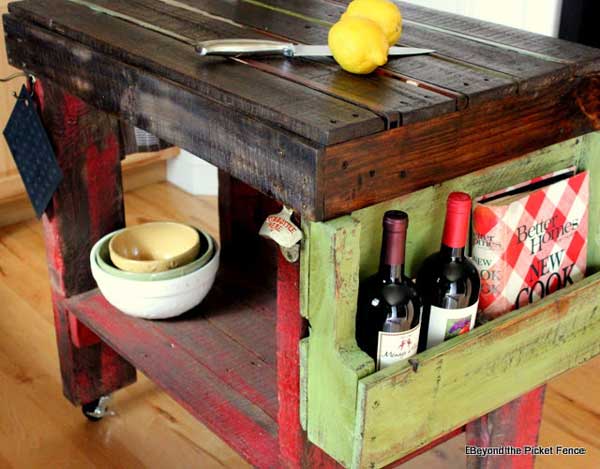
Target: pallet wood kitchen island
(493, 106)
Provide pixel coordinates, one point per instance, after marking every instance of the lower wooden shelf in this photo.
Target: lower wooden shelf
(218, 361)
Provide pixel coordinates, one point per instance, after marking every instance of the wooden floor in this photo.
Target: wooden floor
(40, 429)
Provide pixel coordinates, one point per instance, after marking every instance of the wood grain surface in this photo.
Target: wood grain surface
(297, 108)
(218, 360)
(412, 157)
(273, 160)
(265, 118)
(39, 428)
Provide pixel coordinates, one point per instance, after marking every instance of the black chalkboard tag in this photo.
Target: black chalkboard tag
(32, 152)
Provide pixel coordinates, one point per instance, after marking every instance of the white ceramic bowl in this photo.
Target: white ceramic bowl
(159, 299)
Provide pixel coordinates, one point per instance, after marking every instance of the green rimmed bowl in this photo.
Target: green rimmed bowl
(205, 254)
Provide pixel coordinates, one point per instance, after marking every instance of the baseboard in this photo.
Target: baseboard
(138, 170)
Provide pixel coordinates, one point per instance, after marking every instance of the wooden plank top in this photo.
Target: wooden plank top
(302, 130)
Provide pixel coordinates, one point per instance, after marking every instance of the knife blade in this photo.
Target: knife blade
(300, 50)
(257, 47)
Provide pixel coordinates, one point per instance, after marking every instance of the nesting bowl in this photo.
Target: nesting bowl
(156, 295)
(205, 254)
(154, 247)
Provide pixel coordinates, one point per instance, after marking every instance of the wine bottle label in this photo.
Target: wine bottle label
(447, 323)
(395, 346)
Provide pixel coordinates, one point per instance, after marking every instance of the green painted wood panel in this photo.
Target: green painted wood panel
(304, 269)
(340, 383)
(335, 363)
(303, 382)
(590, 160)
(462, 379)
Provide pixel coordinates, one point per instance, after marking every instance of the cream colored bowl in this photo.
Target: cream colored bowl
(160, 299)
(207, 249)
(154, 247)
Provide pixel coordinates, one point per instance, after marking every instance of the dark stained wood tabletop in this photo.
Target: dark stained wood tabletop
(302, 130)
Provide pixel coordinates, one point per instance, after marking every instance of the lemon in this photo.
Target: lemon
(385, 13)
(358, 44)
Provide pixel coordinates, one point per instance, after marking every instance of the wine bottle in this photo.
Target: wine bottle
(448, 281)
(389, 308)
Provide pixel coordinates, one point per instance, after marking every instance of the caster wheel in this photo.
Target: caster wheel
(97, 409)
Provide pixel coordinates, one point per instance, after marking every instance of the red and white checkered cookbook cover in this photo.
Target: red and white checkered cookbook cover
(530, 240)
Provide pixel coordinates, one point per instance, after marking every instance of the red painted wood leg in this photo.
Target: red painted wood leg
(424, 449)
(81, 336)
(295, 450)
(87, 205)
(242, 211)
(515, 424)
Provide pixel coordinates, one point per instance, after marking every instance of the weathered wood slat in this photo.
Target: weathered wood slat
(416, 156)
(398, 102)
(335, 363)
(529, 72)
(385, 96)
(253, 331)
(270, 159)
(463, 379)
(309, 22)
(278, 101)
(235, 362)
(582, 58)
(242, 210)
(161, 350)
(295, 450)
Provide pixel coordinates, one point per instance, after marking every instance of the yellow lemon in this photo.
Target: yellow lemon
(385, 13)
(358, 44)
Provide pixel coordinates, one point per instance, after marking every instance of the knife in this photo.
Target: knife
(247, 47)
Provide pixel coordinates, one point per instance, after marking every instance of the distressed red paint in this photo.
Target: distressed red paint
(424, 449)
(100, 166)
(89, 368)
(81, 336)
(290, 329)
(296, 451)
(514, 424)
(159, 352)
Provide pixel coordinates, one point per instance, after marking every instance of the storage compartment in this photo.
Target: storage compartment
(218, 361)
(367, 419)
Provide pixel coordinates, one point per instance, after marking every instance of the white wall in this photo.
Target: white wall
(192, 174)
(538, 16)
(541, 16)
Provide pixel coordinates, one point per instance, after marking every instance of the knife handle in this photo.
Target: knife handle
(240, 47)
